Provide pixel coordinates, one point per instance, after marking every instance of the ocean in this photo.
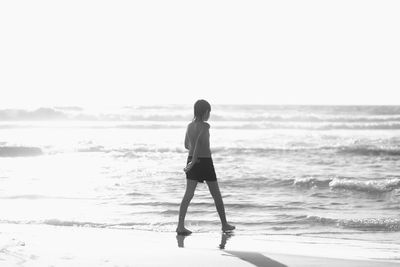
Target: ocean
(325, 171)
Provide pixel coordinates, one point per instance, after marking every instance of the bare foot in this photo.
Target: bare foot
(228, 227)
(183, 231)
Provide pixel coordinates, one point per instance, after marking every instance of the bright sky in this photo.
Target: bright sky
(142, 52)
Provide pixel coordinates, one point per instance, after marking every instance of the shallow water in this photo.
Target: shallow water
(295, 170)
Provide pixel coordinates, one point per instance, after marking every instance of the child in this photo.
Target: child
(200, 166)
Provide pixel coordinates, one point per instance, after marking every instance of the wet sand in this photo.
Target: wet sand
(40, 245)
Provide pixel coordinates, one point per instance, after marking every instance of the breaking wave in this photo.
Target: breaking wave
(372, 224)
(366, 150)
(362, 224)
(366, 224)
(369, 186)
(373, 186)
(311, 182)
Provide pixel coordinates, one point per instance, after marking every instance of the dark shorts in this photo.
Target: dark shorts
(202, 171)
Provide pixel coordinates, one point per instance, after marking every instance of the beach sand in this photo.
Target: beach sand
(43, 245)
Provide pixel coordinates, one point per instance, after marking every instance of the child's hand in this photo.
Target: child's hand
(188, 166)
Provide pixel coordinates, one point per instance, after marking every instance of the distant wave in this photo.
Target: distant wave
(57, 222)
(225, 117)
(383, 185)
(367, 224)
(37, 197)
(278, 109)
(165, 123)
(369, 186)
(362, 224)
(373, 186)
(38, 114)
(369, 150)
(19, 151)
(372, 224)
(131, 152)
(358, 126)
(71, 223)
(262, 125)
(77, 113)
(366, 150)
(311, 182)
(93, 149)
(26, 196)
(134, 151)
(363, 150)
(308, 118)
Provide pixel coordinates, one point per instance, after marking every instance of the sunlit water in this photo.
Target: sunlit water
(321, 171)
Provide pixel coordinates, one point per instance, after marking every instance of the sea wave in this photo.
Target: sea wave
(137, 150)
(284, 221)
(369, 150)
(130, 152)
(295, 125)
(259, 125)
(307, 118)
(59, 222)
(311, 182)
(366, 150)
(319, 109)
(133, 151)
(372, 186)
(19, 151)
(167, 123)
(26, 196)
(37, 114)
(88, 224)
(239, 116)
(363, 224)
(372, 224)
(383, 185)
(369, 186)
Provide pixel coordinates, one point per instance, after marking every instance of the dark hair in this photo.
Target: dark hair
(200, 108)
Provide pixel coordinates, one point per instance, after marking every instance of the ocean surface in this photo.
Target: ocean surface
(326, 171)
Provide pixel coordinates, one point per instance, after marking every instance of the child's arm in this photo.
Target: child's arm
(187, 139)
(199, 142)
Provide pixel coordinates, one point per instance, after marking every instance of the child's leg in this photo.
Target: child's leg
(219, 204)
(190, 188)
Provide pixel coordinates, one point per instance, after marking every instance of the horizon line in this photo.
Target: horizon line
(4, 107)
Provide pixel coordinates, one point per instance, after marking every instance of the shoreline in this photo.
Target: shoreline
(43, 245)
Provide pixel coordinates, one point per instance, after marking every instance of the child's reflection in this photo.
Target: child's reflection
(181, 239)
(225, 236)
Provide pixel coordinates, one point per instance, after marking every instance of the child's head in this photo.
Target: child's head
(202, 110)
